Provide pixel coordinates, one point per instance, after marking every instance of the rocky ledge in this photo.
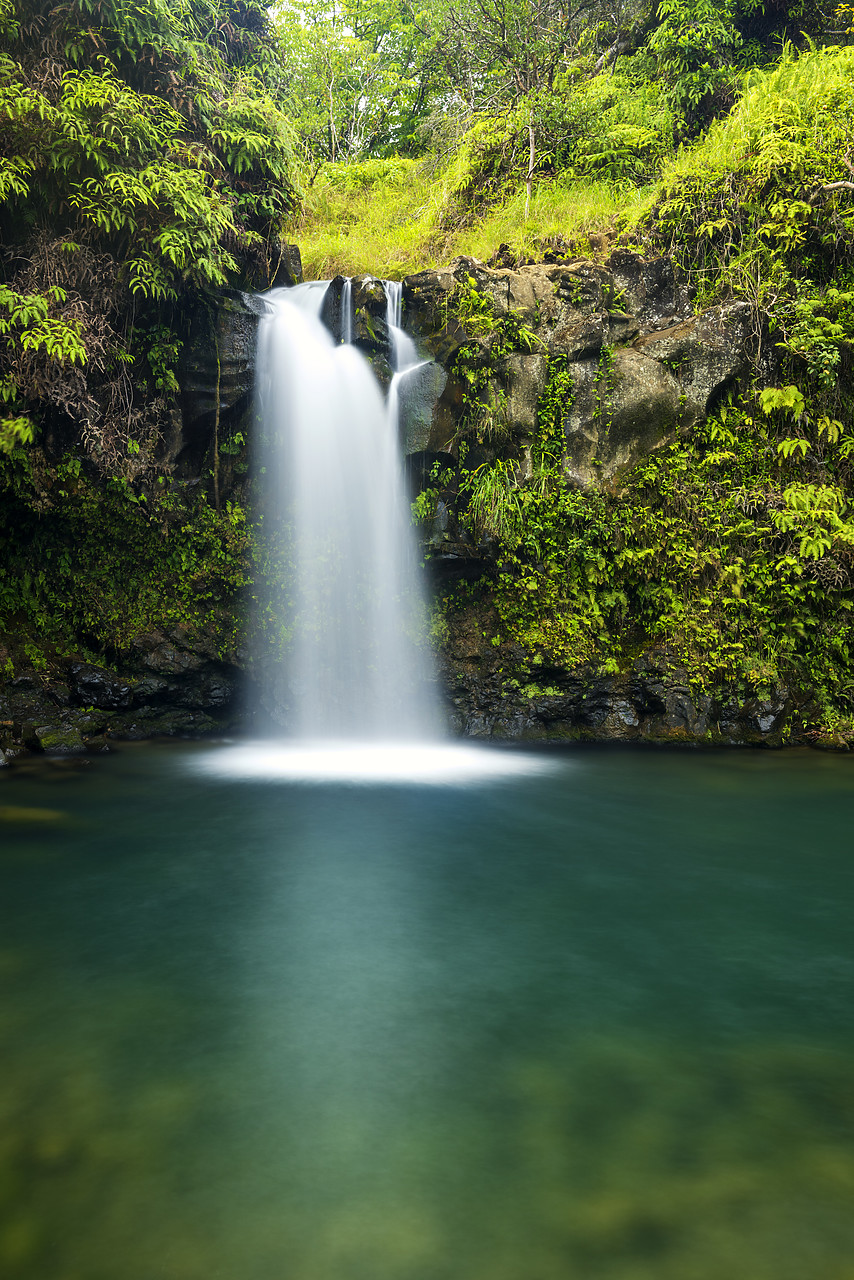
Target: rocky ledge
(174, 688)
(501, 693)
(627, 332)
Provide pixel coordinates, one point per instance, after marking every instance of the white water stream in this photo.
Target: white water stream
(358, 667)
(359, 703)
(404, 354)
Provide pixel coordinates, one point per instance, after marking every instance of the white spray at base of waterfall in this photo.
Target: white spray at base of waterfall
(374, 763)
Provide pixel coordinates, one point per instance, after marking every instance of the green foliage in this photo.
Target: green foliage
(814, 514)
(718, 549)
(787, 400)
(364, 217)
(479, 364)
(693, 45)
(761, 206)
(479, 169)
(28, 324)
(99, 564)
(359, 76)
(15, 432)
(121, 161)
(618, 126)
(162, 349)
(145, 156)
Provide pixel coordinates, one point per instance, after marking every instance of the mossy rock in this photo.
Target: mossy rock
(54, 739)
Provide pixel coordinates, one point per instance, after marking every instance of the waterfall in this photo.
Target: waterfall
(355, 691)
(346, 310)
(334, 482)
(404, 354)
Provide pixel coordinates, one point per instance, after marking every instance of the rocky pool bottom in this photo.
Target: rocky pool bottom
(591, 1019)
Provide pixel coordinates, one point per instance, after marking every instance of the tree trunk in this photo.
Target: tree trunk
(532, 156)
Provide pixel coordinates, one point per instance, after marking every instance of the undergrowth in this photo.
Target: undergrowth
(97, 564)
(731, 551)
(728, 551)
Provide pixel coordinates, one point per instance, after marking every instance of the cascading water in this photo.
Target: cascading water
(346, 310)
(355, 692)
(404, 354)
(333, 472)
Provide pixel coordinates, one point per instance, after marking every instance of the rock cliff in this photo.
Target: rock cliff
(644, 369)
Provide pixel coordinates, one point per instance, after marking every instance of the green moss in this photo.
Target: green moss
(97, 563)
(714, 550)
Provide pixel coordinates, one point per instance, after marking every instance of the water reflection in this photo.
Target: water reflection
(539, 1031)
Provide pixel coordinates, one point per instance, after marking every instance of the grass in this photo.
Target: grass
(392, 218)
(568, 211)
(364, 218)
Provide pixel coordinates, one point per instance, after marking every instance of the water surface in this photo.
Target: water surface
(592, 1022)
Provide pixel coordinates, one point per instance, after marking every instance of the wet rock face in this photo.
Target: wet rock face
(643, 366)
(653, 702)
(216, 371)
(175, 686)
(95, 687)
(216, 375)
(418, 394)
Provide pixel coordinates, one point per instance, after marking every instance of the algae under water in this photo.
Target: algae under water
(594, 1022)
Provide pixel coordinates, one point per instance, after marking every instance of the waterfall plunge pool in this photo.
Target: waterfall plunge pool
(590, 1021)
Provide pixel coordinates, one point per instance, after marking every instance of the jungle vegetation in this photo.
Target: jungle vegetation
(151, 150)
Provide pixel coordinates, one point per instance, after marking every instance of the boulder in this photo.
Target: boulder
(419, 391)
(705, 354)
(95, 687)
(579, 337)
(523, 376)
(619, 413)
(647, 287)
(331, 313)
(53, 739)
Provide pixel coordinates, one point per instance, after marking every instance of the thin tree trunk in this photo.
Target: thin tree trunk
(532, 156)
(216, 411)
(333, 136)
